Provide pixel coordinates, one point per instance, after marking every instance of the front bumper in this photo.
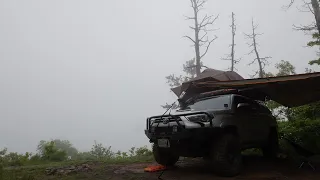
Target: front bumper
(172, 136)
(197, 134)
(167, 132)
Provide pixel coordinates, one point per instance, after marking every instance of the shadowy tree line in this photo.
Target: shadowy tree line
(62, 150)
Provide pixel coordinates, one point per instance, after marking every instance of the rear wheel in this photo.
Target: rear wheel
(226, 156)
(164, 156)
(272, 148)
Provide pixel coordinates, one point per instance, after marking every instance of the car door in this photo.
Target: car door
(244, 112)
(263, 121)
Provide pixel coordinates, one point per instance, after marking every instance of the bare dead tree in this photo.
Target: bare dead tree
(262, 61)
(231, 56)
(316, 13)
(201, 29)
(310, 7)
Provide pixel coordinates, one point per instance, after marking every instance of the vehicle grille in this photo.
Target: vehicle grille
(166, 130)
(169, 119)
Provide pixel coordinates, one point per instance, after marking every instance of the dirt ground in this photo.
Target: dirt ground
(255, 168)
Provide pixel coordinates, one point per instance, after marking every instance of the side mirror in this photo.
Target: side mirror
(243, 105)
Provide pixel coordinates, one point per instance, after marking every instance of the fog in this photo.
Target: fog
(95, 70)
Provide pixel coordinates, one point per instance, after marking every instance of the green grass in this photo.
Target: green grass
(36, 170)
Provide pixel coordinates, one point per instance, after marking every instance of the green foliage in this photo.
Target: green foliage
(3, 151)
(86, 156)
(317, 61)
(124, 154)
(143, 151)
(100, 152)
(303, 132)
(309, 111)
(62, 145)
(35, 158)
(51, 153)
(13, 158)
(315, 42)
(1, 171)
(285, 68)
(15, 175)
(132, 151)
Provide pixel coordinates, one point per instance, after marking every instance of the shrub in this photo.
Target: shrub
(303, 132)
(143, 151)
(100, 152)
(87, 156)
(52, 153)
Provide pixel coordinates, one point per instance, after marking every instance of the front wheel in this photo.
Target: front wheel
(164, 156)
(226, 155)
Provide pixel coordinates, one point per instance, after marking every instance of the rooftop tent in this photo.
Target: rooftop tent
(290, 91)
(207, 75)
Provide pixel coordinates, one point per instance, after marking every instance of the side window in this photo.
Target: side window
(251, 106)
(239, 99)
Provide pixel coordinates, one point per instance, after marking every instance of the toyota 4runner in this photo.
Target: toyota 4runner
(216, 128)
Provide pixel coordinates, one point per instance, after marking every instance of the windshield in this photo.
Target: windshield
(216, 102)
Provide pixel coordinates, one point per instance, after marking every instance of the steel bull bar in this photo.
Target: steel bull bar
(176, 118)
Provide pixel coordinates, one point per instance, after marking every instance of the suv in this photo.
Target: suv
(216, 128)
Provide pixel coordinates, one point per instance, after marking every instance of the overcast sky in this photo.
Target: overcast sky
(94, 70)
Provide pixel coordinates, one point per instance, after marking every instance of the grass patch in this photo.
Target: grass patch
(37, 171)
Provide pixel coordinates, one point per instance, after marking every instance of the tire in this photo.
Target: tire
(164, 156)
(226, 156)
(272, 148)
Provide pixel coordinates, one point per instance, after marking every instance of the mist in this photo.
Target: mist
(95, 70)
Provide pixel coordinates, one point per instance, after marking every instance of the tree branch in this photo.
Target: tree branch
(252, 51)
(189, 18)
(207, 48)
(190, 38)
(252, 62)
(200, 4)
(306, 5)
(209, 21)
(310, 27)
(289, 5)
(203, 36)
(192, 5)
(193, 28)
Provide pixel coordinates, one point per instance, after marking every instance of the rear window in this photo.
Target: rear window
(216, 103)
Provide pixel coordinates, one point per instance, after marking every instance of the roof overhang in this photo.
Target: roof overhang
(290, 91)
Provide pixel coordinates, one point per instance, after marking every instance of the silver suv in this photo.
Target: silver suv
(215, 127)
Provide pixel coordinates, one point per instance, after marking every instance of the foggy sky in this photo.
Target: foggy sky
(94, 70)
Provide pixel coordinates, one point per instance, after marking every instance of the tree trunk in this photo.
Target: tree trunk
(232, 45)
(256, 51)
(316, 10)
(259, 62)
(196, 34)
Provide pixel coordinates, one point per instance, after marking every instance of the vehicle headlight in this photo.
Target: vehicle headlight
(198, 118)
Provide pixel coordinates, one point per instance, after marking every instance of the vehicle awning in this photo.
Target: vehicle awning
(211, 75)
(290, 91)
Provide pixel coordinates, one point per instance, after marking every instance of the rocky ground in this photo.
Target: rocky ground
(255, 168)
